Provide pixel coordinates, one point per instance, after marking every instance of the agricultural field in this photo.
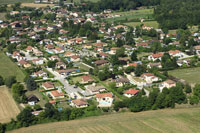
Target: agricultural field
(2, 16)
(168, 120)
(35, 5)
(8, 107)
(153, 24)
(9, 68)
(190, 75)
(133, 14)
(15, 1)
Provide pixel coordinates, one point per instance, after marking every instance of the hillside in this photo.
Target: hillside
(169, 120)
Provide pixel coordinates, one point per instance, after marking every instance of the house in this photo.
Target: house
(41, 74)
(120, 27)
(183, 62)
(151, 65)
(32, 99)
(24, 63)
(75, 58)
(58, 50)
(66, 71)
(103, 55)
(143, 44)
(54, 57)
(155, 57)
(121, 82)
(94, 89)
(38, 61)
(48, 85)
(79, 103)
(37, 52)
(101, 62)
(29, 49)
(60, 65)
(16, 55)
(104, 99)
(69, 54)
(86, 79)
(113, 50)
(176, 53)
(55, 94)
(197, 49)
(131, 92)
(149, 77)
(167, 84)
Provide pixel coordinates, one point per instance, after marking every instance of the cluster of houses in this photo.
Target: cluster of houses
(65, 50)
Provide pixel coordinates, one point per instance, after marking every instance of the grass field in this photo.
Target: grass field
(8, 107)
(36, 5)
(148, 23)
(2, 16)
(134, 14)
(190, 75)
(8, 68)
(169, 120)
(76, 79)
(15, 1)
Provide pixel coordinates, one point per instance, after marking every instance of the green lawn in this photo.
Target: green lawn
(159, 121)
(76, 79)
(134, 14)
(190, 75)
(9, 68)
(42, 101)
(2, 16)
(153, 24)
(15, 1)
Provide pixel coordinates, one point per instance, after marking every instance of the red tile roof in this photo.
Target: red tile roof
(57, 94)
(103, 95)
(131, 91)
(80, 102)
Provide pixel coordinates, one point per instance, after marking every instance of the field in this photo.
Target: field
(15, 1)
(190, 75)
(8, 68)
(8, 107)
(36, 5)
(133, 14)
(169, 120)
(153, 24)
(2, 16)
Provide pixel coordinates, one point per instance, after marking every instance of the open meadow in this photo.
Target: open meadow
(168, 120)
(15, 1)
(153, 24)
(36, 5)
(9, 68)
(8, 107)
(190, 75)
(133, 14)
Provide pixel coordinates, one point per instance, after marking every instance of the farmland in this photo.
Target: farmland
(153, 24)
(15, 1)
(169, 120)
(8, 68)
(35, 5)
(190, 75)
(134, 14)
(8, 107)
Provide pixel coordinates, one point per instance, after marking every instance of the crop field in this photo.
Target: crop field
(15, 1)
(8, 107)
(9, 68)
(36, 5)
(153, 24)
(190, 75)
(168, 120)
(133, 14)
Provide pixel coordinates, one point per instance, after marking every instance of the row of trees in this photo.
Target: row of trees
(156, 100)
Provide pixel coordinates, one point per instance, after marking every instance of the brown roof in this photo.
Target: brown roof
(100, 62)
(86, 78)
(158, 55)
(103, 95)
(55, 93)
(48, 85)
(80, 102)
(131, 91)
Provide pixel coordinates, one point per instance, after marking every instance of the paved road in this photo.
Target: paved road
(28, 56)
(69, 89)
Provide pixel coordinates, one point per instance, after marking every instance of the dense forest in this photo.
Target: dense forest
(173, 14)
(118, 4)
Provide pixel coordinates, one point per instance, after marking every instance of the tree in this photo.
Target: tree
(130, 69)
(51, 64)
(37, 107)
(18, 92)
(114, 60)
(10, 80)
(196, 90)
(119, 43)
(31, 84)
(194, 100)
(120, 52)
(101, 76)
(2, 130)
(139, 70)
(188, 88)
(134, 56)
(177, 95)
(1, 80)
(26, 118)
